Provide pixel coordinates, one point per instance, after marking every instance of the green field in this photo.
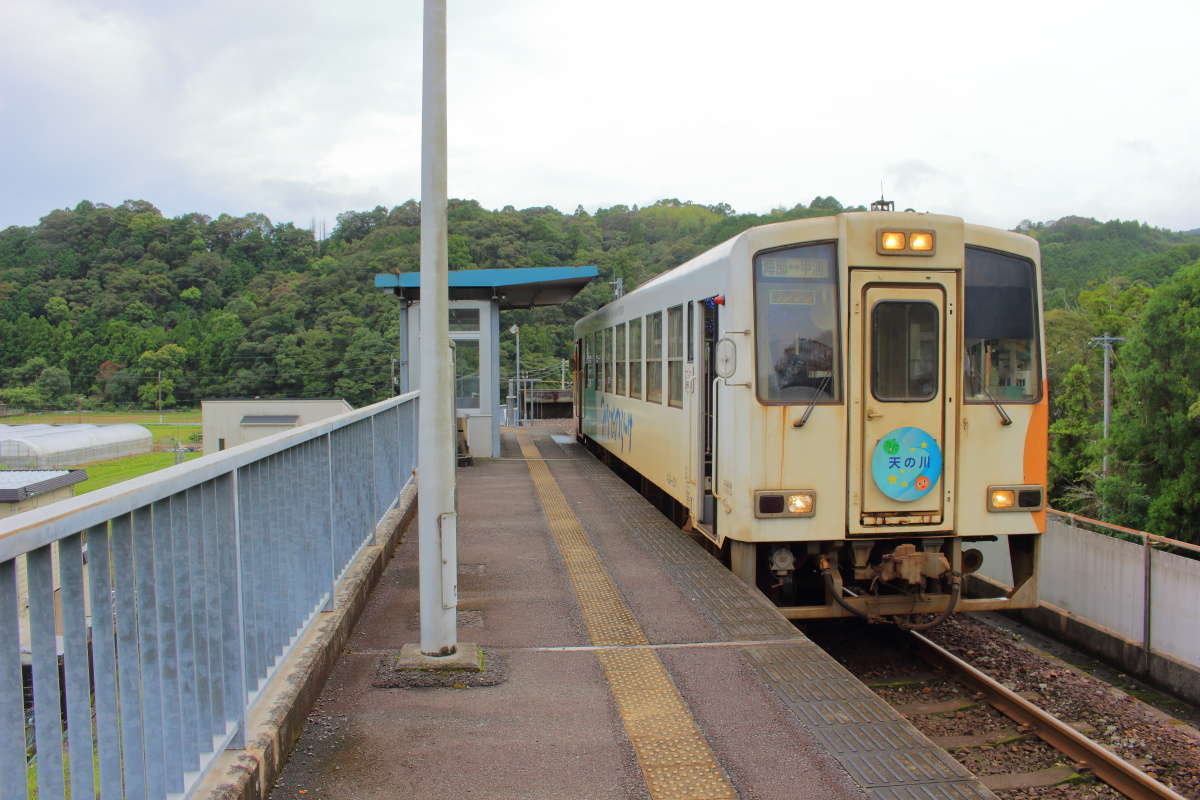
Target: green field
(105, 417)
(106, 473)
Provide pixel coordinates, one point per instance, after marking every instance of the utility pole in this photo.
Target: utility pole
(618, 288)
(1106, 342)
(160, 417)
(562, 373)
(436, 513)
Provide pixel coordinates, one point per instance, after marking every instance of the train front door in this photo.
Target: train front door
(903, 333)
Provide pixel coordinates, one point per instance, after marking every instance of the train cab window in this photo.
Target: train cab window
(796, 309)
(607, 358)
(635, 358)
(1000, 329)
(675, 356)
(904, 350)
(654, 376)
(621, 358)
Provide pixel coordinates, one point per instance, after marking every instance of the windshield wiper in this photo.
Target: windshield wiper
(812, 403)
(1005, 419)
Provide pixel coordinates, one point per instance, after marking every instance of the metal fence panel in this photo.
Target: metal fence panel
(1175, 587)
(192, 585)
(1075, 562)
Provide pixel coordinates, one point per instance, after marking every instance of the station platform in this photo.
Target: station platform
(636, 667)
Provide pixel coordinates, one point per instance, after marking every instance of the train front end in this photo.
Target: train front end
(897, 415)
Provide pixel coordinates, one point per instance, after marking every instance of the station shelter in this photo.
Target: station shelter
(477, 296)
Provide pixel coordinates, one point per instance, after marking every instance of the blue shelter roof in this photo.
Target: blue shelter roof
(519, 287)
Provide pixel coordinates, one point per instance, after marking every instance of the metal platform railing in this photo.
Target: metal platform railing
(1138, 585)
(148, 616)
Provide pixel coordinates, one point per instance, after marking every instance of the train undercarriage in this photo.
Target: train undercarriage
(914, 582)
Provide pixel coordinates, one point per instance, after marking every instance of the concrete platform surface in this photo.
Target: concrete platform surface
(637, 667)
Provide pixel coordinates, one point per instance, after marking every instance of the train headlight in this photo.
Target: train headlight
(801, 503)
(906, 243)
(785, 503)
(1016, 498)
(921, 241)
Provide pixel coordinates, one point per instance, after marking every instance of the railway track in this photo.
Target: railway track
(1087, 754)
(1016, 747)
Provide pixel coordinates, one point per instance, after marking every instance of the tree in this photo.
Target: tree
(162, 368)
(1156, 440)
(55, 385)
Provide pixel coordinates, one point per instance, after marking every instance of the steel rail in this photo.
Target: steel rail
(1107, 765)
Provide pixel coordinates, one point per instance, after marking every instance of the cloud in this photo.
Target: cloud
(303, 109)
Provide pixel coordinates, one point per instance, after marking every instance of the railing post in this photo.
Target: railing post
(333, 571)
(229, 518)
(12, 700)
(1147, 605)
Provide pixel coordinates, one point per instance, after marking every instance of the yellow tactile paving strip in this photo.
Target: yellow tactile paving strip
(675, 759)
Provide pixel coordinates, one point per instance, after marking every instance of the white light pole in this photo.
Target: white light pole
(515, 330)
(437, 520)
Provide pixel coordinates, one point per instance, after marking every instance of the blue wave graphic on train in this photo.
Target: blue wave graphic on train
(616, 424)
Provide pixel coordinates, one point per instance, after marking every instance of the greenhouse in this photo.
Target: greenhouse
(49, 446)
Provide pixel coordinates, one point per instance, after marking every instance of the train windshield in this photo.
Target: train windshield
(797, 321)
(1000, 336)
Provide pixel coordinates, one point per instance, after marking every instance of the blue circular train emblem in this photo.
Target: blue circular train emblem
(906, 464)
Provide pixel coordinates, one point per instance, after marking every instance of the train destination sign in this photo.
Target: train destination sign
(789, 266)
(906, 464)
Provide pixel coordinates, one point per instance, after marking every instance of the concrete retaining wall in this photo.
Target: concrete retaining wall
(1092, 591)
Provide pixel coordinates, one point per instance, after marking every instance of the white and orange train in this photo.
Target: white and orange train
(838, 404)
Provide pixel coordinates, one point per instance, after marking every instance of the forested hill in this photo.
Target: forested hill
(103, 306)
(1077, 251)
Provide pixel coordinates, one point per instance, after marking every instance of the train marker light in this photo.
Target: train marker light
(1016, 498)
(1002, 499)
(892, 240)
(921, 241)
(785, 503)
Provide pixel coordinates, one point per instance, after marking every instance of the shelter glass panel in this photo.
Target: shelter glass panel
(635, 358)
(796, 307)
(654, 371)
(464, 319)
(675, 356)
(1000, 329)
(466, 373)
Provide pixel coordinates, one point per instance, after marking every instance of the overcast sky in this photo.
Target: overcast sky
(997, 112)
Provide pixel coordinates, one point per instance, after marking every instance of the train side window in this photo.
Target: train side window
(591, 358)
(592, 351)
(797, 346)
(607, 359)
(654, 376)
(691, 326)
(635, 358)
(675, 356)
(622, 359)
(1000, 329)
